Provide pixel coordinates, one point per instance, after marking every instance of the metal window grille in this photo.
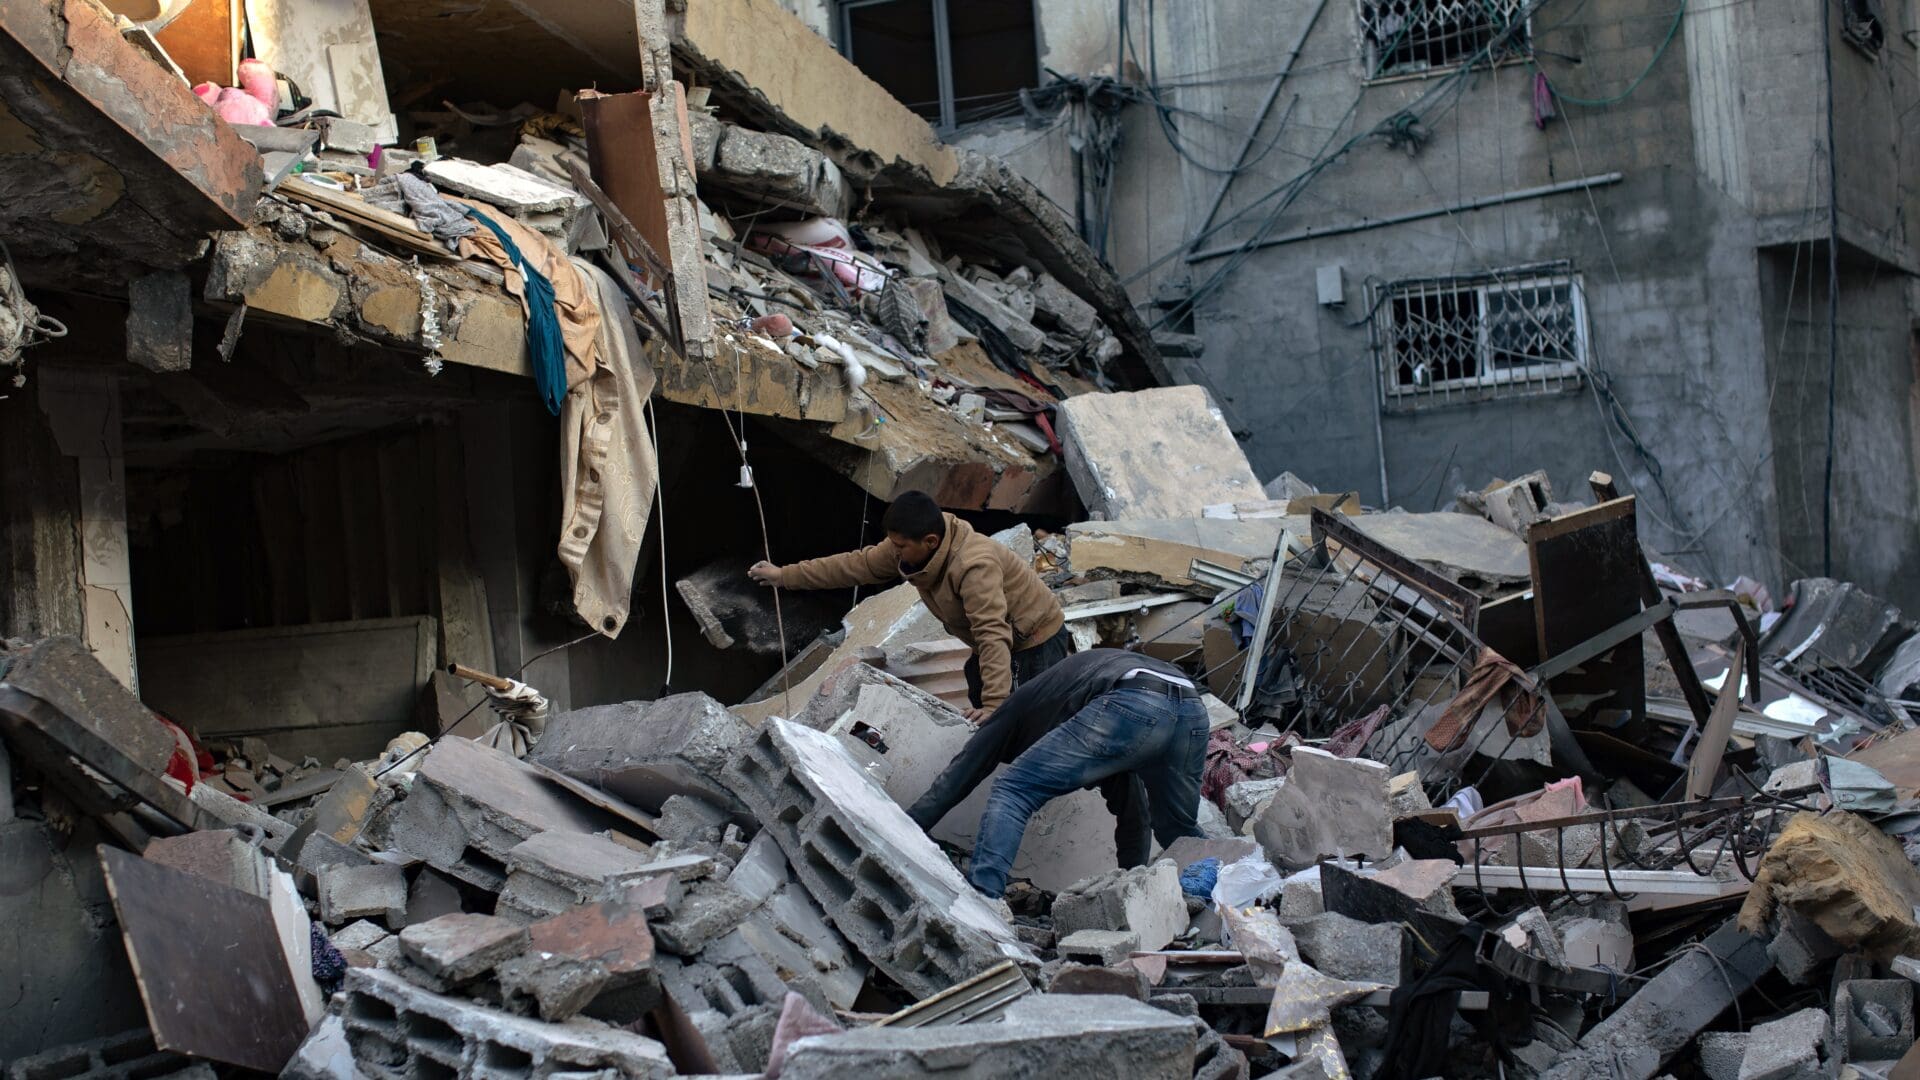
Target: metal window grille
(1407, 37)
(1459, 339)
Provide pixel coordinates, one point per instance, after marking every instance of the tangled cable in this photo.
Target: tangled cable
(21, 324)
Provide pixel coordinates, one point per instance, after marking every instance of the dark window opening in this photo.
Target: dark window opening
(951, 61)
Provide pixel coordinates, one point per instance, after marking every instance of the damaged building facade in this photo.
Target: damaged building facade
(1413, 248)
(395, 395)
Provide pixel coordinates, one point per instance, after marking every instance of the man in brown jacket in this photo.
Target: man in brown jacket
(979, 590)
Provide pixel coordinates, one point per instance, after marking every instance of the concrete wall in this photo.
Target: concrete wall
(1721, 150)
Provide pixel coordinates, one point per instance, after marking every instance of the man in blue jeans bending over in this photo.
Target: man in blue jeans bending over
(1123, 713)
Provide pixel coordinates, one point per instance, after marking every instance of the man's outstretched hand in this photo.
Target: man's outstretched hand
(976, 717)
(764, 572)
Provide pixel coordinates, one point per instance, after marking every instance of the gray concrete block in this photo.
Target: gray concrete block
(685, 817)
(325, 1055)
(1076, 978)
(788, 929)
(1788, 1048)
(1800, 948)
(647, 751)
(880, 880)
(1329, 806)
(396, 1028)
(1145, 900)
(732, 1005)
(1872, 1020)
(374, 891)
(707, 911)
(1721, 1053)
(1245, 799)
(1103, 947)
(557, 870)
(358, 935)
(1349, 949)
(550, 986)
(462, 947)
(1056, 1036)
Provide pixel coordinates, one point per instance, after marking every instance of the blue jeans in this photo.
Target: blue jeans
(1160, 737)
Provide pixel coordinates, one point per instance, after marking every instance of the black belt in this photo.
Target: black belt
(1158, 686)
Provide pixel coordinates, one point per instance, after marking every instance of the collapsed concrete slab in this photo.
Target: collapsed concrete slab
(1042, 1035)
(397, 1028)
(555, 871)
(1161, 453)
(471, 805)
(646, 751)
(462, 947)
(884, 884)
(1329, 806)
(1163, 550)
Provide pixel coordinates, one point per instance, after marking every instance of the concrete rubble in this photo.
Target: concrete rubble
(1489, 790)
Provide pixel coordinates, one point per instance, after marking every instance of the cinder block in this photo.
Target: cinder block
(374, 891)
(1873, 1020)
(1042, 1035)
(1800, 948)
(398, 1029)
(686, 817)
(549, 986)
(733, 1005)
(708, 910)
(789, 930)
(1145, 900)
(129, 1055)
(881, 881)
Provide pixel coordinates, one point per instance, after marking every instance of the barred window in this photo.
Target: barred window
(1406, 37)
(1503, 334)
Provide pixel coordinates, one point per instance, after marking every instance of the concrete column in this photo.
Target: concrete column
(83, 411)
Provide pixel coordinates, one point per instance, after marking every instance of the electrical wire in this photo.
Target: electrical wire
(1833, 297)
(660, 501)
(1679, 15)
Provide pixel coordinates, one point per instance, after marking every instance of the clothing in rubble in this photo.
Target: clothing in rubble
(981, 592)
(1008, 734)
(517, 249)
(544, 345)
(1126, 714)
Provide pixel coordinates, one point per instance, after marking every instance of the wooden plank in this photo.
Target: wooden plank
(203, 41)
(209, 962)
(1704, 768)
(358, 211)
(1669, 635)
(460, 589)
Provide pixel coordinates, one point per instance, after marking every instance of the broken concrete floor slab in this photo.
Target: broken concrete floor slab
(1160, 453)
(646, 751)
(884, 883)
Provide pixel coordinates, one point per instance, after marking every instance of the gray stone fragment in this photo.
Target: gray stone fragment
(1787, 1048)
(458, 948)
(397, 1029)
(550, 986)
(1103, 947)
(358, 935)
(708, 910)
(556, 870)
(684, 817)
(1053, 1036)
(1145, 900)
(1800, 948)
(1245, 799)
(1345, 948)
(325, 1055)
(377, 890)
(1329, 806)
(1721, 1053)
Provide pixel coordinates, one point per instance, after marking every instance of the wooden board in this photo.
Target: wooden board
(358, 211)
(297, 39)
(1586, 579)
(204, 41)
(210, 964)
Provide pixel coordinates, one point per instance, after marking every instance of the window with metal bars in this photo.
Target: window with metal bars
(1407, 37)
(1502, 334)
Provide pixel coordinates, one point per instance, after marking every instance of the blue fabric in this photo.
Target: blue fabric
(1199, 878)
(1160, 737)
(544, 343)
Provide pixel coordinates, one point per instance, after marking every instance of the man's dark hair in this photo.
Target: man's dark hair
(914, 514)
